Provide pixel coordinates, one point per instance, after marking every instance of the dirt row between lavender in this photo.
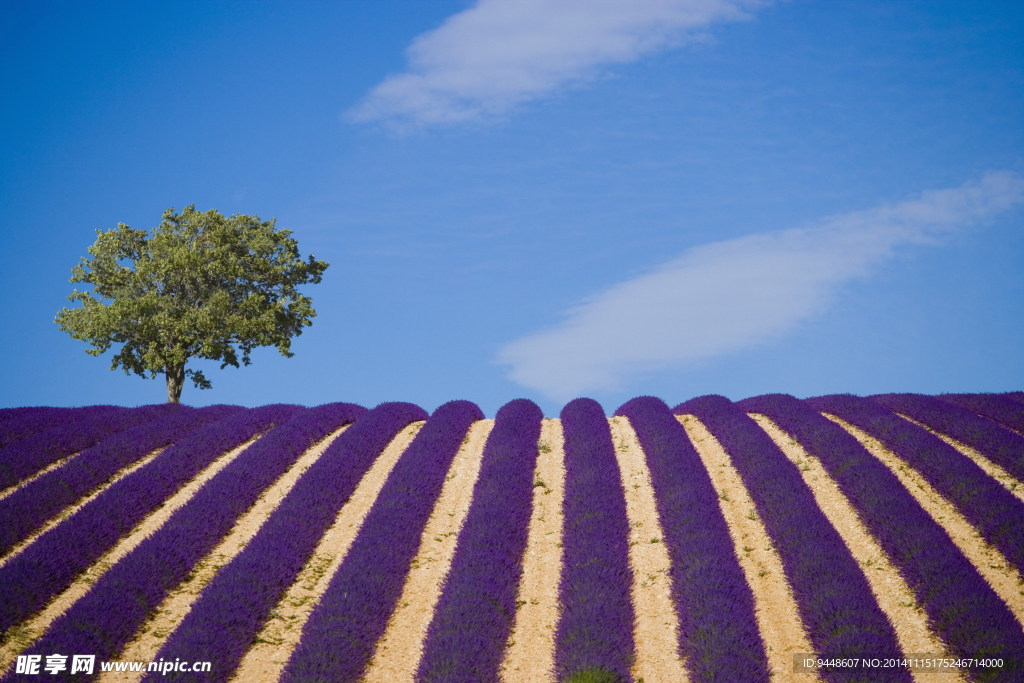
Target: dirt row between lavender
(530, 652)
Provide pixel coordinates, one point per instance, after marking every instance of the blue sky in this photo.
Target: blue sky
(536, 199)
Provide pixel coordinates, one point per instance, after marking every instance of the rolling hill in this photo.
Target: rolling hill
(835, 538)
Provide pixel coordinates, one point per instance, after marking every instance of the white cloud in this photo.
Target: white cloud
(502, 52)
(730, 295)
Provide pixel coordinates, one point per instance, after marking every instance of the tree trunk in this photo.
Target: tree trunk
(175, 381)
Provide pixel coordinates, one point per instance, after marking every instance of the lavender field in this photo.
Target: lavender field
(836, 538)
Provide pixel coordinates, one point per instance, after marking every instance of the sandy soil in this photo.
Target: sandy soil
(30, 631)
(990, 468)
(657, 624)
(891, 592)
(275, 643)
(165, 619)
(531, 651)
(777, 615)
(72, 509)
(28, 480)
(399, 651)
(1005, 580)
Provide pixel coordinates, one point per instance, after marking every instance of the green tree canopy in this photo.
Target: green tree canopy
(198, 286)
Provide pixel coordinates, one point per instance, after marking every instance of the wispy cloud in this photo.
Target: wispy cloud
(730, 295)
(499, 53)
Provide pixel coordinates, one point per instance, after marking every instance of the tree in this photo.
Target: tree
(198, 286)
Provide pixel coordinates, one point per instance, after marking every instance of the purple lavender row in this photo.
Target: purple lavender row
(43, 425)
(961, 606)
(995, 512)
(107, 617)
(718, 633)
(17, 424)
(29, 507)
(1002, 446)
(594, 638)
(339, 639)
(1001, 408)
(477, 608)
(52, 562)
(24, 458)
(6, 413)
(225, 620)
(831, 591)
